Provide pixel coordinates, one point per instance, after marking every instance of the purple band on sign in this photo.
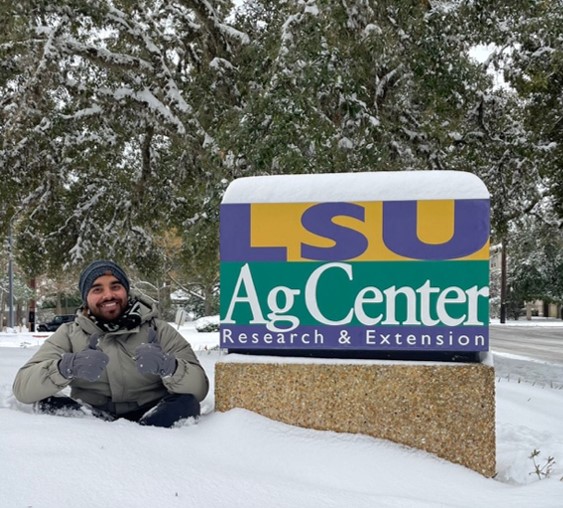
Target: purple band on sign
(384, 338)
(235, 226)
(471, 230)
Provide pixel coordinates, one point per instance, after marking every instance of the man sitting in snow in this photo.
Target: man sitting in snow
(119, 360)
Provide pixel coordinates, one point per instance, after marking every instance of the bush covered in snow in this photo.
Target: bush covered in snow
(207, 324)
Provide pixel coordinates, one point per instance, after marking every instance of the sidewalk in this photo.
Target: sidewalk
(535, 321)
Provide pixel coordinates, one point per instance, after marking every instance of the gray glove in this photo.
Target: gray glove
(88, 364)
(151, 359)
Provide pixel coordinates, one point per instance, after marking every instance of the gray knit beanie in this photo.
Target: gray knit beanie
(97, 269)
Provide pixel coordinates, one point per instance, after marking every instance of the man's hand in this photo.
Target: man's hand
(88, 364)
(151, 359)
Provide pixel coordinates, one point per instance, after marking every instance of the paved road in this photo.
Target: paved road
(539, 342)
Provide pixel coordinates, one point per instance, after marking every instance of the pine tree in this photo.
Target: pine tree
(348, 86)
(106, 133)
(121, 121)
(524, 37)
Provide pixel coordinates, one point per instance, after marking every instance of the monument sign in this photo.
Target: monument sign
(383, 261)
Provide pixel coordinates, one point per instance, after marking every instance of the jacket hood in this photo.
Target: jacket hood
(149, 307)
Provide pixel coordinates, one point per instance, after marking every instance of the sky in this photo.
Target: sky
(481, 53)
(241, 459)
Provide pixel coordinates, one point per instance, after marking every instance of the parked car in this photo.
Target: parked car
(51, 326)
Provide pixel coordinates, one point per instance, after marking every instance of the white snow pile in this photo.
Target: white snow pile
(241, 459)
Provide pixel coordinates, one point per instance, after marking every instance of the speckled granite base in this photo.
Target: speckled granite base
(446, 409)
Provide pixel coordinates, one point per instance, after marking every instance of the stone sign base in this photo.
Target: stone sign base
(443, 408)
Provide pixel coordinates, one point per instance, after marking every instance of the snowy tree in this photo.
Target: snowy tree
(123, 121)
(348, 86)
(535, 262)
(106, 133)
(524, 37)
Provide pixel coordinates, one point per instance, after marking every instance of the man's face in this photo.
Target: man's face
(107, 298)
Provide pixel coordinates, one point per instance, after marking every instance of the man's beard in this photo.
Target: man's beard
(109, 310)
(128, 318)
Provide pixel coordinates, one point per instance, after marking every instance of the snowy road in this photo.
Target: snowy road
(538, 342)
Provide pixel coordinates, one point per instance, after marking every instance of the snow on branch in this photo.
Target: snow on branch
(221, 65)
(140, 32)
(386, 82)
(17, 105)
(89, 204)
(146, 97)
(209, 16)
(84, 113)
(73, 47)
(233, 33)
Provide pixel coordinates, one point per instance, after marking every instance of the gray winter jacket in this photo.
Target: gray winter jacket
(121, 388)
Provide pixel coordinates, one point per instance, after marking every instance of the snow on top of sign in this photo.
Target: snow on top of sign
(377, 186)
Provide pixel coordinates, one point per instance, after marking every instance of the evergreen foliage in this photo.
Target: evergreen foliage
(121, 122)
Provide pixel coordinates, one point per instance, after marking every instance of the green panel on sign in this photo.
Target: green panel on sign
(428, 293)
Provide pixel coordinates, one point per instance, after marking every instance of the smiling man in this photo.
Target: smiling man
(119, 360)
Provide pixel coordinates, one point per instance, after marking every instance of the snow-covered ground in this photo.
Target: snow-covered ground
(241, 459)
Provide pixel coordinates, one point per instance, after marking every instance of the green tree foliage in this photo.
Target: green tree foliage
(121, 121)
(524, 37)
(348, 86)
(536, 72)
(535, 262)
(526, 45)
(105, 133)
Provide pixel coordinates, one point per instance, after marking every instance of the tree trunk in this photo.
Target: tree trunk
(503, 282)
(19, 316)
(59, 305)
(2, 304)
(208, 302)
(32, 306)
